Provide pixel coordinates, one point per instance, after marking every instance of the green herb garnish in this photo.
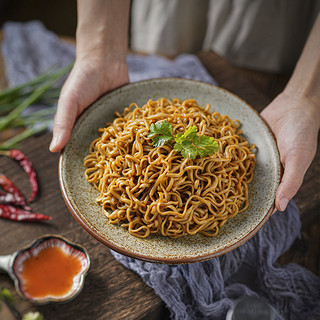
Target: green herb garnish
(189, 143)
(161, 132)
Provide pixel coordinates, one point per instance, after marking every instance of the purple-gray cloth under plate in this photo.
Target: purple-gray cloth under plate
(195, 291)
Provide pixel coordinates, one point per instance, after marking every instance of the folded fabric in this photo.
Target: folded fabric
(203, 290)
(206, 290)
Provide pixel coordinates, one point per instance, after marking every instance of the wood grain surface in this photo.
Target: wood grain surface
(111, 291)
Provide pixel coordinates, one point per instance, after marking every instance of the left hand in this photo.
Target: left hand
(295, 124)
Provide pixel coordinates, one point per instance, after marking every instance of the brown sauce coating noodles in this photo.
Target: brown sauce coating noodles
(156, 190)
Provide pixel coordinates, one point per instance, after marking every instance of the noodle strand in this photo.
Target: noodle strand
(155, 190)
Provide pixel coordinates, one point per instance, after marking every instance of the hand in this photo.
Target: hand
(89, 79)
(295, 124)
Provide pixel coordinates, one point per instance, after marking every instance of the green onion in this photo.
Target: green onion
(13, 101)
(34, 96)
(34, 117)
(11, 93)
(26, 133)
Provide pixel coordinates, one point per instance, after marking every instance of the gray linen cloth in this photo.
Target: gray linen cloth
(203, 290)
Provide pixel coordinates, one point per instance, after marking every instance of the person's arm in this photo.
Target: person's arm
(100, 65)
(294, 117)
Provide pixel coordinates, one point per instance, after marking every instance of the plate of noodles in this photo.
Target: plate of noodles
(170, 171)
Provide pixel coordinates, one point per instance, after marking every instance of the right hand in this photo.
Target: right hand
(89, 79)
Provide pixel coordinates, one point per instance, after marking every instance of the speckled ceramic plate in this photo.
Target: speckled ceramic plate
(80, 195)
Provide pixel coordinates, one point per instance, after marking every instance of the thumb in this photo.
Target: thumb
(294, 171)
(64, 120)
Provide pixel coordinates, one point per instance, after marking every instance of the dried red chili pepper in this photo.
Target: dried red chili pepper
(16, 194)
(17, 214)
(27, 167)
(7, 198)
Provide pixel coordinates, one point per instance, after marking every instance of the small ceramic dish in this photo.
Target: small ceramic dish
(15, 265)
(80, 195)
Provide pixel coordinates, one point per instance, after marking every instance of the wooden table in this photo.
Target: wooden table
(111, 291)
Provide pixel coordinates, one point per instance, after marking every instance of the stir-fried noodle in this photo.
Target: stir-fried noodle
(151, 189)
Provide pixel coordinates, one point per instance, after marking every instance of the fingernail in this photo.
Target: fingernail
(283, 203)
(53, 143)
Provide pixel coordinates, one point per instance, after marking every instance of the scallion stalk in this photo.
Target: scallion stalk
(11, 93)
(34, 117)
(45, 84)
(13, 101)
(26, 133)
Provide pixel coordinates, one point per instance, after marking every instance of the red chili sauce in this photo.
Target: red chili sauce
(50, 273)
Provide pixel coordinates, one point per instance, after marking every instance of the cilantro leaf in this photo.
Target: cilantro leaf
(190, 133)
(189, 143)
(207, 146)
(190, 152)
(160, 132)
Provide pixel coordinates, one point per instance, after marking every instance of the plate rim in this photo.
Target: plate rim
(166, 260)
